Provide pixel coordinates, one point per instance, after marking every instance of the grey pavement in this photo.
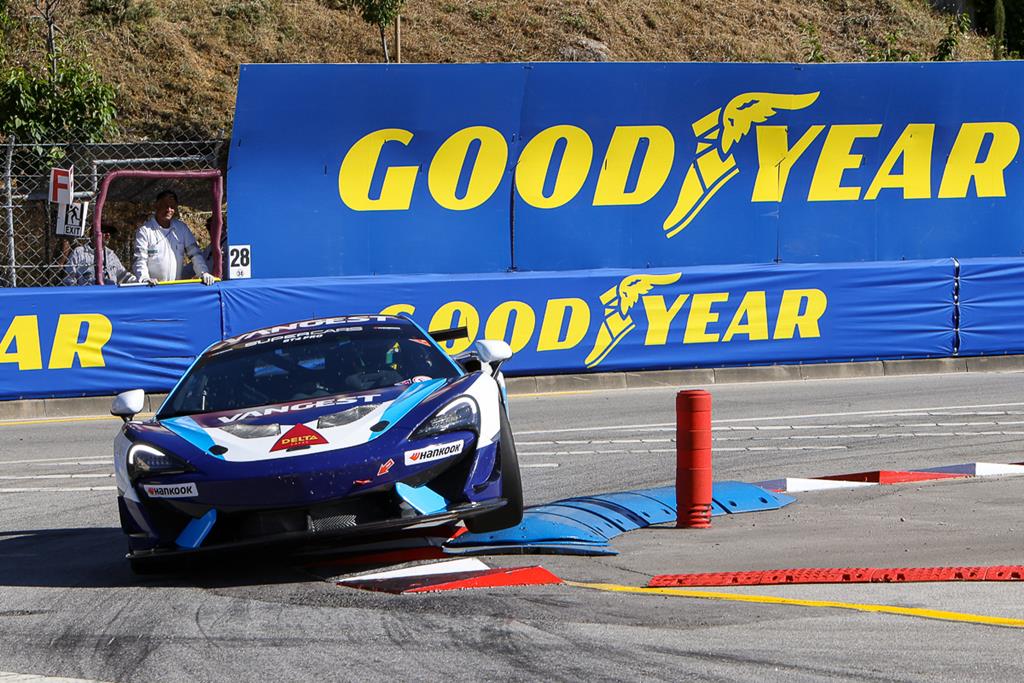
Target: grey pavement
(70, 607)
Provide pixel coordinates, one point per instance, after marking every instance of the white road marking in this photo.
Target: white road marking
(109, 475)
(98, 461)
(58, 489)
(8, 677)
(920, 412)
(672, 450)
(540, 464)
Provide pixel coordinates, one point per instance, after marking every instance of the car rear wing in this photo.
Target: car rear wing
(441, 336)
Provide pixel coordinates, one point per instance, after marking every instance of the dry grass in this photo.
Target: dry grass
(176, 70)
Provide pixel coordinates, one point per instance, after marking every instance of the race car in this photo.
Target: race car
(332, 427)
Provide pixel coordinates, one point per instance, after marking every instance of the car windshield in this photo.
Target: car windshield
(308, 364)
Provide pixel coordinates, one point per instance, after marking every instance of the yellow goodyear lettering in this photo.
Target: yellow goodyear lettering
(775, 160)
(750, 319)
(535, 164)
(576, 327)
(23, 335)
(359, 165)
(457, 314)
(566, 322)
(800, 310)
(701, 316)
(68, 341)
(448, 164)
(620, 157)
(78, 335)
(522, 328)
(963, 164)
(836, 158)
(914, 147)
(659, 317)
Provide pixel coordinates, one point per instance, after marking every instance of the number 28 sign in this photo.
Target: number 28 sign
(239, 261)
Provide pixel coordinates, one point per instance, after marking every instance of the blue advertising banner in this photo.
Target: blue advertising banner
(991, 306)
(100, 340)
(626, 320)
(80, 341)
(374, 169)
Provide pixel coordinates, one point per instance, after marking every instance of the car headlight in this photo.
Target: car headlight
(345, 417)
(145, 460)
(248, 431)
(462, 414)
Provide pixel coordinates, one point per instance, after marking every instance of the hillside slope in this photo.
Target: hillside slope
(175, 62)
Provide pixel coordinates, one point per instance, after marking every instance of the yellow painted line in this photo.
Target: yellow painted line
(573, 392)
(52, 420)
(772, 600)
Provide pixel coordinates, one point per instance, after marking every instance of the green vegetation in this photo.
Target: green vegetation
(949, 47)
(56, 96)
(174, 63)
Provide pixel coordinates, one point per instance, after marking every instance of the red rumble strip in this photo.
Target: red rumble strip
(849, 575)
(483, 578)
(893, 477)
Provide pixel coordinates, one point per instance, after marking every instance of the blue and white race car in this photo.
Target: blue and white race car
(330, 427)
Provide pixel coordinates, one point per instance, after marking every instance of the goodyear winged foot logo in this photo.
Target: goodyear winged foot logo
(617, 302)
(716, 133)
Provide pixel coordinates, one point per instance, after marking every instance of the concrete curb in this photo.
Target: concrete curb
(31, 409)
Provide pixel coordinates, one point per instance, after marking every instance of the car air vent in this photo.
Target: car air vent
(218, 450)
(330, 521)
(250, 431)
(380, 426)
(344, 417)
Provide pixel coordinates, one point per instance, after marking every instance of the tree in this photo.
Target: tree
(63, 98)
(999, 33)
(379, 13)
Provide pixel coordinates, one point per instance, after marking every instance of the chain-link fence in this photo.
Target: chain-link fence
(33, 255)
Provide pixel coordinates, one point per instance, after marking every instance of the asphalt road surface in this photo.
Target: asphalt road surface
(70, 607)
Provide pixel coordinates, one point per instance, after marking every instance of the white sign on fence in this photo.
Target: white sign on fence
(239, 262)
(62, 185)
(71, 219)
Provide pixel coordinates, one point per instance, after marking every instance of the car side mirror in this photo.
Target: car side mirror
(128, 404)
(493, 351)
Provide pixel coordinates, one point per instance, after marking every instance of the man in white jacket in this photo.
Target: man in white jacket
(163, 242)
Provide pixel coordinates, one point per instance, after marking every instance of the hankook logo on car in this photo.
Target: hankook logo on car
(189, 490)
(430, 453)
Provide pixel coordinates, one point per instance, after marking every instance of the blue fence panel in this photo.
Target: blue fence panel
(83, 341)
(295, 124)
(623, 320)
(991, 305)
(361, 169)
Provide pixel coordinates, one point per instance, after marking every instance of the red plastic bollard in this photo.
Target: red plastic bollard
(693, 459)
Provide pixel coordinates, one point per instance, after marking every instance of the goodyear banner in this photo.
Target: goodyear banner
(991, 305)
(371, 169)
(81, 341)
(101, 340)
(633, 320)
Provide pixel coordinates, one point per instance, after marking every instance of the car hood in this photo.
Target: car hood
(303, 427)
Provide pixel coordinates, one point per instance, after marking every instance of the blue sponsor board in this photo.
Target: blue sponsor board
(100, 340)
(81, 341)
(582, 166)
(626, 320)
(991, 306)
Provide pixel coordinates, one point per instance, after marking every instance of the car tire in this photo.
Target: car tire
(511, 513)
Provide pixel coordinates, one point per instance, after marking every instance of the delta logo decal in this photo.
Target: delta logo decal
(299, 436)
